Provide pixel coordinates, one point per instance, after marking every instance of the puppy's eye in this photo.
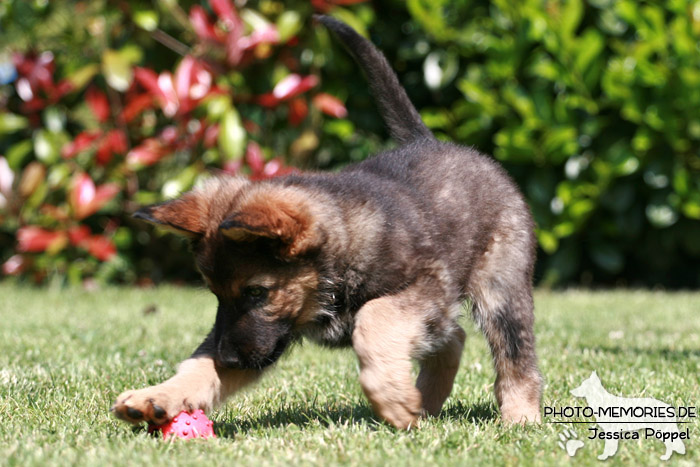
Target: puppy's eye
(256, 292)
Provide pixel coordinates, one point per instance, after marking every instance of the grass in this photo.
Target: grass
(66, 354)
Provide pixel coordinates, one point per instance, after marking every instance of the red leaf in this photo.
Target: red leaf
(201, 25)
(192, 83)
(251, 127)
(268, 100)
(86, 199)
(184, 77)
(286, 86)
(211, 135)
(201, 85)
(82, 195)
(273, 168)
(147, 153)
(7, 178)
(330, 105)
(36, 75)
(293, 85)
(24, 89)
(78, 234)
(34, 105)
(104, 194)
(22, 63)
(268, 35)
(100, 247)
(234, 51)
(97, 100)
(104, 152)
(14, 265)
(147, 78)
(34, 239)
(298, 109)
(117, 141)
(160, 86)
(35, 84)
(225, 10)
(62, 88)
(169, 135)
(254, 157)
(168, 95)
(232, 166)
(321, 5)
(180, 93)
(42, 71)
(135, 106)
(81, 142)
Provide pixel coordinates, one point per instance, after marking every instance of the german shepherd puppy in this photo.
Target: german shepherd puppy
(379, 256)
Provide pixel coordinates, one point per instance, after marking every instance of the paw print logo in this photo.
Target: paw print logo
(570, 442)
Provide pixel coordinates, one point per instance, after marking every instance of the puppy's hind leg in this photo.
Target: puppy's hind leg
(507, 326)
(503, 307)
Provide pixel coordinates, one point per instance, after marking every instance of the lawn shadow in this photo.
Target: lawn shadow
(300, 417)
(481, 412)
(665, 353)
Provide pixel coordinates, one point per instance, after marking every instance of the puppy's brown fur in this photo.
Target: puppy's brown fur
(379, 256)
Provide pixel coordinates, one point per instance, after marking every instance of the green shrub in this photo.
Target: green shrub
(594, 107)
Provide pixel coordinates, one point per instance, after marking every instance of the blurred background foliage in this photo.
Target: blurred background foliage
(592, 106)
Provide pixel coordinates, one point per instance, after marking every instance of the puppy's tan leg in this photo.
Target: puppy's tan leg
(438, 371)
(198, 384)
(384, 337)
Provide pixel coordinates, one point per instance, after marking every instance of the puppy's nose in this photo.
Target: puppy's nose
(228, 359)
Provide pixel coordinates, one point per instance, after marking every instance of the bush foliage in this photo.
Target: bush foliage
(593, 107)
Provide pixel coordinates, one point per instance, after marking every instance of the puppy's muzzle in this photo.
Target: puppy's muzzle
(227, 356)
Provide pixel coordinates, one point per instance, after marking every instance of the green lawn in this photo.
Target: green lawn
(66, 354)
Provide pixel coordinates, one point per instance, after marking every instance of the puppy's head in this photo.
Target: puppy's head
(254, 245)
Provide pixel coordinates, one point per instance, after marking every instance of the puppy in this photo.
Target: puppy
(379, 256)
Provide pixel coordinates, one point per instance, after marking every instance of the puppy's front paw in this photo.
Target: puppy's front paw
(155, 404)
(401, 414)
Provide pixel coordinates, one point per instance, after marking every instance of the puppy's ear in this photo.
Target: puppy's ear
(182, 215)
(190, 214)
(279, 214)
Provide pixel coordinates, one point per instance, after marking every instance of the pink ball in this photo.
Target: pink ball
(187, 425)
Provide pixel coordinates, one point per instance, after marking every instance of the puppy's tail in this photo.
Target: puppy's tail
(402, 118)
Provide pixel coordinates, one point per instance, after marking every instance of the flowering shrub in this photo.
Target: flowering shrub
(85, 139)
